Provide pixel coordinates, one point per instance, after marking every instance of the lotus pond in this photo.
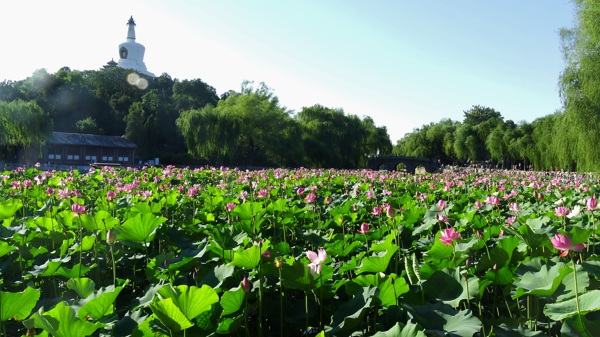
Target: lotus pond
(217, 251)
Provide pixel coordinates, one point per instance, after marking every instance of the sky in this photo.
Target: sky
(403, 63)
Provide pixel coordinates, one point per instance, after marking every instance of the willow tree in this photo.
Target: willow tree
(210, 135)
(22, 125)
(580, 86)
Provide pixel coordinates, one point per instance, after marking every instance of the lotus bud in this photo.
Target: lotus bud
(278, 262)
(246, 284)
(111, 236)
(390, 212)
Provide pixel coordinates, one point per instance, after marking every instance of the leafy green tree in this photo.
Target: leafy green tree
(88, 125)
(479, 114)
(580, 87)
(23, 124)
(467, 144)
(377, 141)
(210, 135)
(193, 94)
(322, 132)
(246, 128)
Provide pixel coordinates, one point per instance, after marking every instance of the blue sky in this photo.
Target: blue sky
(403, 63)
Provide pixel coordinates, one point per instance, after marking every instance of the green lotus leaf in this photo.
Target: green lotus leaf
(247, 210)
(409, 330)
(379, 263)
(83, 286)
(504, 330)
(193, 300)
(99, 304)
(140, 228)
(441, 319)
(348, 315)
(392, 288)
(6, 248)
(247, 258)
(230, 325)
(78, 270)
(18, 305)
(232, 300)
(449, 286)
(46, 223)
(61, 321)
(8, 208)
(588, 302)
(49, 267)
(541, 282)
(170, 315)
(579, 326)
(388, 243)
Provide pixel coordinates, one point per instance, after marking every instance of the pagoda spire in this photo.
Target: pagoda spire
(131, 30)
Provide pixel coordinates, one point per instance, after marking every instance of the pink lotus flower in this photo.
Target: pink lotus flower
(364, 228)
(49, 191)
(449, 235)
(316, 260)
(564, 244)
(443, 218)
(110, 195)
(561, 211)
(492, 200)
(310, 197)
(510, 220)
(513, 207)
(478, 204)
(592, 203)
(77, 209)
(328, 200)
(376, 210)
(262, 193)
(192, 192)
(441, 205)
(230, 206)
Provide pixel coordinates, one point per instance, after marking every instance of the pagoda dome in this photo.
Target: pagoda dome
(131, 53)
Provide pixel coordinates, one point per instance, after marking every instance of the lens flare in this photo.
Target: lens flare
(135, 80)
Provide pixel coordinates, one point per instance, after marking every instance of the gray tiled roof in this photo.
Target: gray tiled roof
(64, 138)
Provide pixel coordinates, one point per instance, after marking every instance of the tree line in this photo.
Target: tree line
(566, 139)
(184, 121)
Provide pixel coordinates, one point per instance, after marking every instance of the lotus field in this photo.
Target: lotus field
(202, 252)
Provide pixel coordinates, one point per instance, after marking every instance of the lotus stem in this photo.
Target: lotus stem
(280, 303)
(576, 288)
(114, 269)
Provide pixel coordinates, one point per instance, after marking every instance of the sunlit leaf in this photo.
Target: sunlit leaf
(232, 300)
(83, 286)
(170, 315)
(18, 305)
(409, 330)
(140, 228)
(100, 303)
(61, 321)
(377, 264)
(247, 258)
(9, 207)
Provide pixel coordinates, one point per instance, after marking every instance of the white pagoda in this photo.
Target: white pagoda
(131, 53)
